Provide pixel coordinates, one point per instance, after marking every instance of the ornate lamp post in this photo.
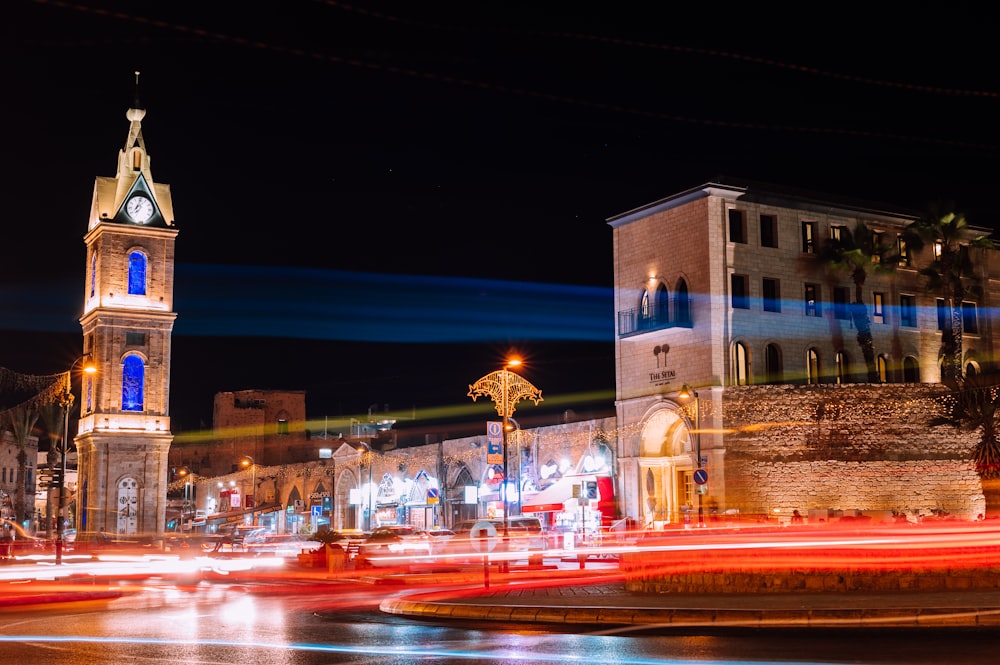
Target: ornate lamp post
(66, 400)
(506, 389)
(247, 461)
(184, 473)
(685, 394)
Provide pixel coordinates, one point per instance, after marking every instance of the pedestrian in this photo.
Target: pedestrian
(6, 542)
(796, 517)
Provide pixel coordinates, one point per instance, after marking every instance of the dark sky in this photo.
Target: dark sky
(376, 200)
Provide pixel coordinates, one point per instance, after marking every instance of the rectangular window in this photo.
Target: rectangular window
(737, 226)
(937, 251)
(812, 300)
(809, 237)
(135, 339)
(768, 231)
(772, 295)
(841, 303)
(943, 315)
(904, 252)
(878, 307)
(740, 292)
(969, 319)
(878, 246)
(836, 232)
(908, 311)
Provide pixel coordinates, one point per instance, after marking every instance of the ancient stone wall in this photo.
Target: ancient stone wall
(832, 450)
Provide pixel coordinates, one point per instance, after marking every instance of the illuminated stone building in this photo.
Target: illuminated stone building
(124, 429)
(722, 288)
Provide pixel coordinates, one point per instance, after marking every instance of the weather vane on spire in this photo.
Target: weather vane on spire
(137, 104)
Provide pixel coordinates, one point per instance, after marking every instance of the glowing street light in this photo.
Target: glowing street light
(66, 400)
(247, 461)
(184, 473)
(506, 389)
(686, 394)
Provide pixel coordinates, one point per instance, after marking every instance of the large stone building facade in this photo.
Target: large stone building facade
(722, 288)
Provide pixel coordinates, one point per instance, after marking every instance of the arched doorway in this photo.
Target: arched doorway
(665, 468)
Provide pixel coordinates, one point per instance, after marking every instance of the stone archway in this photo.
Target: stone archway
(664, 468)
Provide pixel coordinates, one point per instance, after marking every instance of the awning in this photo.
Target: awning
(552, 498)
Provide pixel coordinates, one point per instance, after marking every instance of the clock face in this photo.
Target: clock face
(139, 208)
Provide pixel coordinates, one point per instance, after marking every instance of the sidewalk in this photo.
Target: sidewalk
(592, 598)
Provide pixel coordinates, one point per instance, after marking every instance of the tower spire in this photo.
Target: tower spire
(136, 104)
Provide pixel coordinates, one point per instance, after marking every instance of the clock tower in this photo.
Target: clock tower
(124, 434)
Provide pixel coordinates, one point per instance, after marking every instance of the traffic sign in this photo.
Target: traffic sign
(317, 511)
(701, 476)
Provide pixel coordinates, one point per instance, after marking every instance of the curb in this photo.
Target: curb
(678, 618)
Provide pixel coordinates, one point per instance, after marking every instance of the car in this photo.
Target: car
(439, 538)
(525, 533)
(394, 545)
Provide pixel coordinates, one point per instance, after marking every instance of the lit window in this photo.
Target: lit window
(812, 366)
(878, 307)
(904, 252)
(843, 367)
(137, 274)
(741, 364)
(809, 237)
(133, 377)
(812, 300)
(882, 368)
(836, 232)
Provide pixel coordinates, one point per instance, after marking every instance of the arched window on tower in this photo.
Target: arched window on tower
(137, 274)
(812, 366)
(136, 160)
(741, 364)
(93, 273)
(911, 370)
(682, 304)
(772, 363)
(133, 379)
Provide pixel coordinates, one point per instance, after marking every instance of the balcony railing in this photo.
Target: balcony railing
(635, 321)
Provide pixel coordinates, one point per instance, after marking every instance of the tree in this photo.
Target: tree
(857, 253)
(21, 420)
(950, 274)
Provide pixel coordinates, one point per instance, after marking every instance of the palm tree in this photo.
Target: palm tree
(21, 420)
(857, 253)
(951, 274)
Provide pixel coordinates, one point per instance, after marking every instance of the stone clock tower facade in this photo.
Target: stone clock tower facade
(124, 434)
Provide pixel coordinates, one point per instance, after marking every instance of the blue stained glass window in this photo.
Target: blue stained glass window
(136, 274)
(133, 377)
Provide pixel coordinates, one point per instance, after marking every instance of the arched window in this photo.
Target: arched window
(971, 368)
(662, 305)
(911, 370)
(93, 274)
(133, 379)
(645, 310)
(741, 364)
(682, 304)
(882, 368)
(843, 367)
(812, 366)
(772, 363)
(137, 274)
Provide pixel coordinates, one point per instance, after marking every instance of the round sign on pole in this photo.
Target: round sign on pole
(483, 536)
(701, 476)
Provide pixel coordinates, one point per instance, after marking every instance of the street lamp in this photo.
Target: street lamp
(66, 402)
(685, 394)
(370, 457)
(184, 473)
(247, 461)
(506, 389)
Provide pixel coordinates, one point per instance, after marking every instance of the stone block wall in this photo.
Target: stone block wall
(855, 449)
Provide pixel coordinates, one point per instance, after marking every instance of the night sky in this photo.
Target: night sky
(377, 200)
